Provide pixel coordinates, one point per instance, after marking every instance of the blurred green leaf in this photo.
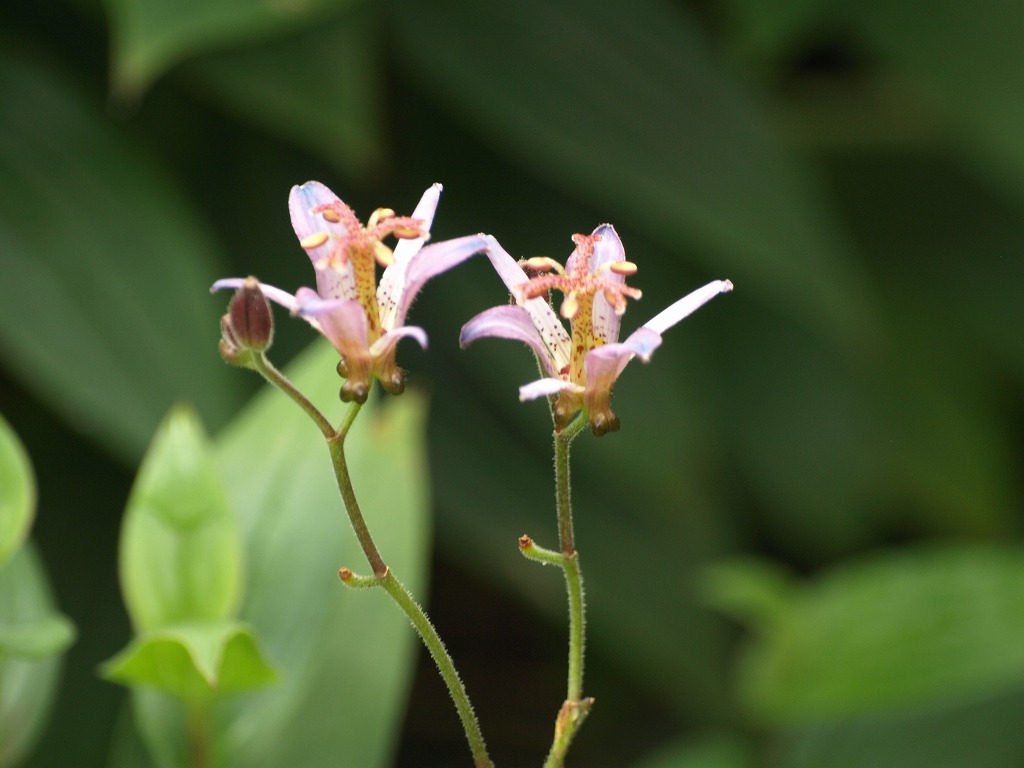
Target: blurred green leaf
(964, 62)
(102, 314)
(726, 751)
(758, 592)
(345, 657)
(193, 662)
(981, 734)
(37, 639)
(17, 492)
(150, 36)
(931, 626)
(321, 88)
(180, 559)
(29, 680)
(625, 106)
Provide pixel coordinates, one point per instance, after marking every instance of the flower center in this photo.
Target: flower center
(361, 247)
(586, 288)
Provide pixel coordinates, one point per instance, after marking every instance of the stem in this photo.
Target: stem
(570, 564)
(267, 370)
(336, 445)
(445, 666)
(575, 709)
(386, 579)
(198, 736)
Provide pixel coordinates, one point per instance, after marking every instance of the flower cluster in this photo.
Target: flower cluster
(581, 368)
(364, 319)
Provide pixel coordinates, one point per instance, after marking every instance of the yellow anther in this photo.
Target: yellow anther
(625, 268)
(570, 306)
(408, 233)
(383, 254)
(331, 216)
(379, 215)
(543, 264)
(314, 241)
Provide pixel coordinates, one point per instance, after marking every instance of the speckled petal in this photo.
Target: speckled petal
(392, 282)
(606, 250)
(509, 322)
(547, 323)
(334, 279)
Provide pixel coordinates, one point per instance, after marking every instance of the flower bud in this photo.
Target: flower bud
(249, 318)
(248, 327)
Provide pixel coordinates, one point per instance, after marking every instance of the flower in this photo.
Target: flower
(582, 367)
(363, 320)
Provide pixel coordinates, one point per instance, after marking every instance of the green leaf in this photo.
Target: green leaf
(981, 734)
(150, 36)
(37, 633)
(725, 751)
(755, 591)
(963, 61)
(624, 106)
(897, 631)
(321, 88)
(345, 656)
(193, 662)
(103, 307)
(38, 639)
(17, 492)
(180, 559)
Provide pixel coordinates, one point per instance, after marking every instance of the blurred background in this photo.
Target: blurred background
(802, 547)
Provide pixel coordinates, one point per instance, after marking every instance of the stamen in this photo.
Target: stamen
(543, 264)
(624, 268)
(384, 255)
(570, 306)
(314, 241)
(331, 215)
(378, 215)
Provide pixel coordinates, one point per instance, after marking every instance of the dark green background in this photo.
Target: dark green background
(857, 169)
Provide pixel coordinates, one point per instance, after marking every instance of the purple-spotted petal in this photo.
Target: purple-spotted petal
(605, 363)
(276, 295)
(334, 278)
(547, 323)
(509, 322)
(429, 262)
(607, 250)
(687, 305)
(392, 281)
(546, 387)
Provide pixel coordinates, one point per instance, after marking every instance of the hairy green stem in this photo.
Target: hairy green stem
(445, 667)
(386, 579)
(575, 709)
(266, 369)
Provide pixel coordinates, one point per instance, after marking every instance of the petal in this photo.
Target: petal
(545, 387)
(509, 322)
(333, 279)
(342, 321)
(687, 305)
(547, 323)
(430, 262)
(386, 343)
(276, 295)
(605, 363)
(389, 292)
(606, 250)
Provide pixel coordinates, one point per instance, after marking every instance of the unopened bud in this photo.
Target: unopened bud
(249, 320)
